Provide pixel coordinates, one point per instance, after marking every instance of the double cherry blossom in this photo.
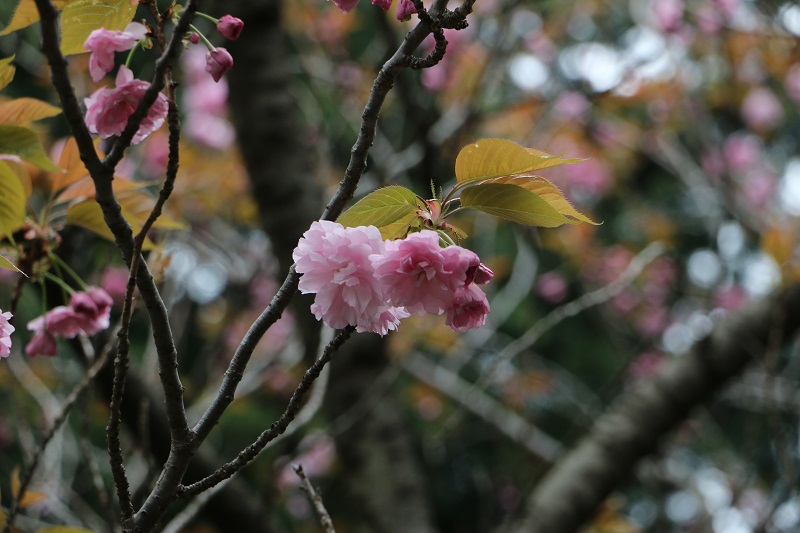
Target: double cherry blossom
(362, 281)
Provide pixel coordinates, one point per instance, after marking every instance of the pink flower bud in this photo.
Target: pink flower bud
(384, 4)
(194, 38)
(230, 27)
(42, 343)
(405, 8)
(218, 62)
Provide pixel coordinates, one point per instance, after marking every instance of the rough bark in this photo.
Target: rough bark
(574, 488)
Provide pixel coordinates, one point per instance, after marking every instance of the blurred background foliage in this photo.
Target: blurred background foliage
(687, 113)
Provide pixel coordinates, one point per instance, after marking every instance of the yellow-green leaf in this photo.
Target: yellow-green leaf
(8, 265)
(400, 228)
(89, 216)
(82, 17)
(7, 71)
(26, 14)
(381, 208)
(23, 110)
(513, 203)
(496, 158)
(21, 141)
(84, 188)
(63, 529)
(548, 192)
(12, 200)
(138, 205)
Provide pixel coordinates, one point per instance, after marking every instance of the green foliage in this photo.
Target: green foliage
(513, 203)
(27, 14)
(23, 142)
(497, 158)
(390, 209)
(81, 17)
(12, 201)
(7, 71)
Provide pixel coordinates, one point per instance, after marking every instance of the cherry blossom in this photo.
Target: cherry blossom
(230, 27)
(87, 314)
(108, 110)
(421, 276)
(468, 309)
(335, 263)
(6, 329)
(218, 62)
(104, 43)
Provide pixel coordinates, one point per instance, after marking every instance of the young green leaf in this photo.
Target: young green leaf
(513, 203)
(399, 229)
(89, 216)
(7, 71)
(21, 141)
(8, 265)
(381, 208)
(26, 14)
(548, 192)
(23, 110)
(81, 17)
(496, 158)
(12, 200)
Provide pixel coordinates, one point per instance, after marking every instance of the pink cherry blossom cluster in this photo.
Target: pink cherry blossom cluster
(108, 110)
(87, 314)
(363, 281)
(404, 10)
(6, 329)
(102, 44)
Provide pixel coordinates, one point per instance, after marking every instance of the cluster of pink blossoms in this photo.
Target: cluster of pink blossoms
(6, 329)
(87, 314)
(405, 8)
(107, 109)
(360, 280)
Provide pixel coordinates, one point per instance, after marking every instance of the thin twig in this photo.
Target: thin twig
(277, 427)
(59, 420)
(319, 507)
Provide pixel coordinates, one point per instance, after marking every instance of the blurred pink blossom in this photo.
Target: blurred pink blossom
(42, 343)
(6, 329)
(210, 130)
(652, 320)
(646, 365)
(709, 19)
(383, 4)
(761, 109)
(108, 110)
(572, 106)
(345, 5)
(87, 314)
(792, 82)
(405, 8)
(742, 151)
(552, 287)
(713, 163)
(114, 281)
(758, 188)
(103, 43)
(730, 298)
(317, 458)
(668, 14)
(592, 177)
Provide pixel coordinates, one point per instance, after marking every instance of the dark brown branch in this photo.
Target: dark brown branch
(578, 484)
(316, 500)
(277, 427)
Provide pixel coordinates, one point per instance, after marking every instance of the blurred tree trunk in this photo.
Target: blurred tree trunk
(381, 476)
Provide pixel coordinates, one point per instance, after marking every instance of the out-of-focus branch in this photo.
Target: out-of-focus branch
(633, 428)
(316, 500)
(487, 408)
(68, 403)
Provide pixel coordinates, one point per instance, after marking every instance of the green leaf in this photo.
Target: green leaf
(399, 229)
(26, 14)
(82, 17)
(381, 208)
(548, 192)
(7, 71)
(12, 200)
(513, 203)
(21, 141)
(8, 265)
(22, 110)
(63, 529)
(88, 215)
(496, 158)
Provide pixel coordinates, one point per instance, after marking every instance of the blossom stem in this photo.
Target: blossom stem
(202, 37)
(62, 264)
(60, 282)
(207, 17)
(130, 54)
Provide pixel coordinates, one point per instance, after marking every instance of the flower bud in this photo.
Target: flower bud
(218, 62)
(230, 27)
(194, 38)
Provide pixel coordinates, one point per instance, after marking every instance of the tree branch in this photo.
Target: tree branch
(572, 490)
